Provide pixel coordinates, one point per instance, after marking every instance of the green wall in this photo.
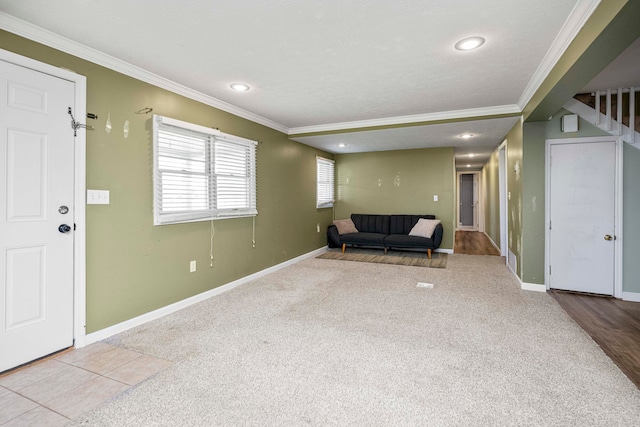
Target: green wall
(491, 197)
(533, 203)
(491, 187)
(553, 128)
(134, 267)
(535, 136)
(515, 169)
(398, 182)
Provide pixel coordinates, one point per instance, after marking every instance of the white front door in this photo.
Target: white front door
(581, 214)
(36, 198)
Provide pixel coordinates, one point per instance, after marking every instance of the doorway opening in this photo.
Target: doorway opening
(468, 212)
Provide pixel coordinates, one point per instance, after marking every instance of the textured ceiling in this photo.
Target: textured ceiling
(468, 155)
(327, 62)
(623, 72)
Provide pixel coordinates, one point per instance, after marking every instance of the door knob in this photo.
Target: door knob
(64, 228)
(608, 237)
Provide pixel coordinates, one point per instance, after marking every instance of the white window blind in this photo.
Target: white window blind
(200, 173)
(324, 193)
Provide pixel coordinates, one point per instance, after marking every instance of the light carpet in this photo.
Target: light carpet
(415, 259)
(326, 342)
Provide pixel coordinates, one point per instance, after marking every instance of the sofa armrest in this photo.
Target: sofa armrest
(437, 236)
(333, 238)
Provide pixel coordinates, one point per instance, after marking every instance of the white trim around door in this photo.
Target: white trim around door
(80, 112)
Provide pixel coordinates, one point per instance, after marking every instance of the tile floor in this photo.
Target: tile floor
(60, 388)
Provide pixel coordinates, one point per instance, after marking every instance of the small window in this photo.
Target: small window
(325, 171)
(200, 173)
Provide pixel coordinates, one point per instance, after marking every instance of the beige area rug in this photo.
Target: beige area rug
(326, 343)
(414, 259)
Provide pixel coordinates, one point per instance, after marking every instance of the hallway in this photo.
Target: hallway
(473, 243)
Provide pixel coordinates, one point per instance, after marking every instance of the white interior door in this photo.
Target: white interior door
(36, 198)
(582, 208)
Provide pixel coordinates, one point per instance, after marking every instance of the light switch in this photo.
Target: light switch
(435, 197)
(97, 197)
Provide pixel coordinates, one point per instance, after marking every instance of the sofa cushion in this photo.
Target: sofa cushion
(406, 241)
(424, 227)
(371, 223)
(363, 238)
(402, 224)
(345, 226)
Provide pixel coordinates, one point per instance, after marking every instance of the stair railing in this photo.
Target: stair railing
(608, 119)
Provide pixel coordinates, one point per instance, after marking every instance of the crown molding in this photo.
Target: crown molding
(581, 12)
(483, 112)
(48, 38)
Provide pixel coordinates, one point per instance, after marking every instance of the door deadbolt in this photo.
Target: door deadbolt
(63, 209)
(64, 228)
(608, 237)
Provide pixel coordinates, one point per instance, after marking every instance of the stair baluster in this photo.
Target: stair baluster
(602, 116)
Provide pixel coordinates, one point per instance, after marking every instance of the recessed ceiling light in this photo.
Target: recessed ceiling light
(342, 145)
(240, 87)
(466, 135)
(472, 155)
(470, 43)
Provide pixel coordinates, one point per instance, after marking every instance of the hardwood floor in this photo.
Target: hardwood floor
(613, 324)
(473, 243)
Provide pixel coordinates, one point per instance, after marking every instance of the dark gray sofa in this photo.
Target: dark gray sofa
(386, 232)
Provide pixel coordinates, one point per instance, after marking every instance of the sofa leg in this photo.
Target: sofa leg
(344, 246)
(429, 253)
(385, 250)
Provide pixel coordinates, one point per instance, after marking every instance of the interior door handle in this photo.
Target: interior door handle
(64, 228)
(608, 237)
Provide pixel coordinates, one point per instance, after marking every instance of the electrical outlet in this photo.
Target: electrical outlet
(318, 228)
(192, 266)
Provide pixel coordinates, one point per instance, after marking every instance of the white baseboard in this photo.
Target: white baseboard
(492, 242)
(631, 296)
(533, 287)
(444, 251)
(171, 308)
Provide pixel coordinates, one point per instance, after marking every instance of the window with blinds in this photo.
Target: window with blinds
(200, 173)
(324, 182)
